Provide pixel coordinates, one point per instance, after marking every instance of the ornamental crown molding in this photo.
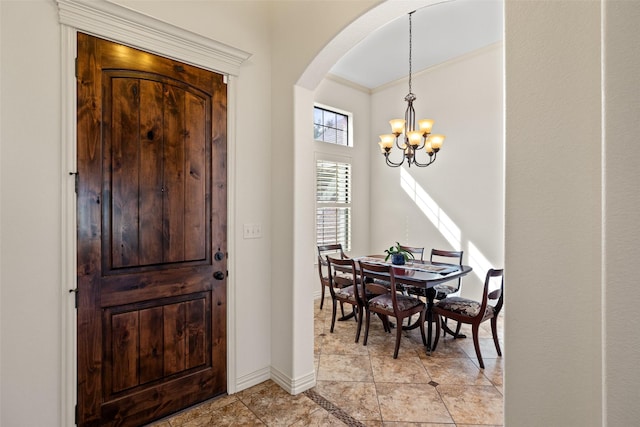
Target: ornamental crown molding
(122, 25)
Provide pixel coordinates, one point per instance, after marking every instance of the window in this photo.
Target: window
(333, 203)
(331, 126)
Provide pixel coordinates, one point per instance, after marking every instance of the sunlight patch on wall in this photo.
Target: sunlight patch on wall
(478, 261)
(430, 208)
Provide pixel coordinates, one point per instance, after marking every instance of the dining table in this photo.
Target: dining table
(425, 275)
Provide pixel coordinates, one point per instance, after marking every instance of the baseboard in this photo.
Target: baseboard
(293, 386)
(253, 378)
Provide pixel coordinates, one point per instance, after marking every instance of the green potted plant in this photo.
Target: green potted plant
(398, 255)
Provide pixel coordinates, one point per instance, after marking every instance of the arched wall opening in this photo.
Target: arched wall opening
(304, 178)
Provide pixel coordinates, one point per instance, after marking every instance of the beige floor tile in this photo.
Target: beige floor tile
(235, 414)
(493, 370)
(455, 371)
(318, 418)
(411, 403)
(258, 388)
(404, 424)
(276, 407)
(487, 348)
(382, 343)
(473, 404)
(409, 369)
(447, 348)
(343, 343)
(358, 399)
(200, 410)
(335, 367)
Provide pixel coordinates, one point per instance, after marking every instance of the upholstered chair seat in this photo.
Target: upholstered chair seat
(464, 306)
(385, 302)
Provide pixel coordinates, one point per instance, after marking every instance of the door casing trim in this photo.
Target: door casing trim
(125, 26)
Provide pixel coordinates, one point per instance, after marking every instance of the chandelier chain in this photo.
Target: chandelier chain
(410, 49)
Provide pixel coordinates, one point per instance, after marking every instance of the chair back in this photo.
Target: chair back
(444, 256)
(323, 251)
(342, 274)
(493, 290)
(418, 253)
(333, 248)
(373, 276)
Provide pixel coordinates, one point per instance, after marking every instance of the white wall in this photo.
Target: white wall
(622, 210)
(30, 176)
(457, 202)
(553, 204)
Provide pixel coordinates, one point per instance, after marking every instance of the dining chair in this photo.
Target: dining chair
(452, 288)
(475, 312)
(443, 289)
(387, 301)
(344, 288)
(418, 253)
(323, 251)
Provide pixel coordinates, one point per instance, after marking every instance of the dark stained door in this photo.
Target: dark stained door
(151, 234)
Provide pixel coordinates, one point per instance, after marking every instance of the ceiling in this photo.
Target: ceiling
(441, 32)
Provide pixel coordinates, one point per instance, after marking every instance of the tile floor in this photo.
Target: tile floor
(365, 386)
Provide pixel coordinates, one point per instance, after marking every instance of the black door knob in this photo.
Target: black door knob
(219, 256)
(218, 275)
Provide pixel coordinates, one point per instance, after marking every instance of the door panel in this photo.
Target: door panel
(151, 209)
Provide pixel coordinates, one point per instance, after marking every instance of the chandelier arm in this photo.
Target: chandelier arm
(432, 159)
(398, 142)
(392, 164)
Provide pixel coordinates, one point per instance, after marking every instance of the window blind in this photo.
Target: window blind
(333, 203)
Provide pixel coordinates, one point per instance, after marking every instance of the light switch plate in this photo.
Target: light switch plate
(252, 231)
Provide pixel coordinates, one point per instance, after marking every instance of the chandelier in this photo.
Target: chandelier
(412, 139)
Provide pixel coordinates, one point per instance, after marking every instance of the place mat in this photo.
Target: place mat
(429, 268)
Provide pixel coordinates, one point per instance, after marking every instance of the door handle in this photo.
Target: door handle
(218, 275)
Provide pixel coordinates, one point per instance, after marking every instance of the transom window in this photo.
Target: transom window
(331, 126)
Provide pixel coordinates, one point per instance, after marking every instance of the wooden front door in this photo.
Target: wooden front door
(151, 234)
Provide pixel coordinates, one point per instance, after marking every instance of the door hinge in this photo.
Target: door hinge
(76, 67)
(75, 174)
(75, 292)
(75, 417)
